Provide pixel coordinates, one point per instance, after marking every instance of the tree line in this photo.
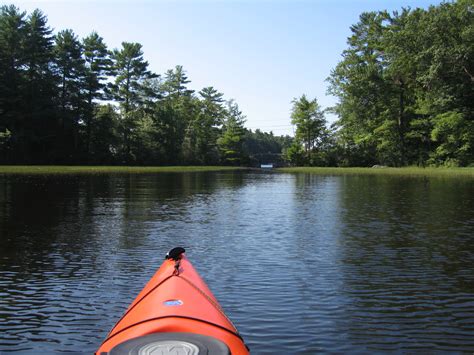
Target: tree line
(405, 89)
(66, 100)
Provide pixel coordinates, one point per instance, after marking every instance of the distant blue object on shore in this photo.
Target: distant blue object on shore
(266, 166)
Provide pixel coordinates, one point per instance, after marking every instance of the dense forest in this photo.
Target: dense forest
(404, 87)
(65, 100)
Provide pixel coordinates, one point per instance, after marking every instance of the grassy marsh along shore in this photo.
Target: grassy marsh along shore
(406, 171)
(58, 169)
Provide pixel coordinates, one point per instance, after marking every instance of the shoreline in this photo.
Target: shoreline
(85, 169)
(405, 171)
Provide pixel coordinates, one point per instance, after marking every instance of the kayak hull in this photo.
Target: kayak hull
(175, 301)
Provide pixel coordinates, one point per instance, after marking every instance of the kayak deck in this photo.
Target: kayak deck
(176, 302)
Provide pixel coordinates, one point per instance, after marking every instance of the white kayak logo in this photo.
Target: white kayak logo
(172, 303)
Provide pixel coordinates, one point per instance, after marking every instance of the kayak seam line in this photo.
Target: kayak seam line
(175, 316)
(132, 307)
(211, 301)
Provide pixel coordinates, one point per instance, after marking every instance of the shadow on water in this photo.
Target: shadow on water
(63, 237)
(302, 263)
(405, 255)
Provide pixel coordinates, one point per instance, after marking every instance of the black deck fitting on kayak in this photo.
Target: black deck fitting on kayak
(175, 253)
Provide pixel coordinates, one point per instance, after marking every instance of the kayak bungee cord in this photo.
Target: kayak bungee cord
(176, 267)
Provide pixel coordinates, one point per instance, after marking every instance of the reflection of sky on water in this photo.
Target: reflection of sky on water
(301, 263)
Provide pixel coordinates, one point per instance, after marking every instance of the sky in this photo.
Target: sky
(261, 53)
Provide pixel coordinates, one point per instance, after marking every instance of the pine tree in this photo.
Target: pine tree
(12, 61)
(70, 72)
(131, 71)
(176, 81)
(230, 143)
(40, 86)
(97, 67)
(310, 123)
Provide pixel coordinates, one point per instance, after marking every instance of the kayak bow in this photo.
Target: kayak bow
(175, 313)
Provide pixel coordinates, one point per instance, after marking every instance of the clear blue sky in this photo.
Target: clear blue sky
(260, 53)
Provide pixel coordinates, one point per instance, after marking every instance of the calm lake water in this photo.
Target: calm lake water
(301, 263)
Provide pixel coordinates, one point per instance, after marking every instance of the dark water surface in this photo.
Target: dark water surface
(300, 263)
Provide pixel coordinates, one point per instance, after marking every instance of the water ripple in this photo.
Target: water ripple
(301, 263)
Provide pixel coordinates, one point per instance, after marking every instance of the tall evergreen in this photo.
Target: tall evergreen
(39, 85)
(206, 125)
(12, 61)
(230, 143)
(70, 74)
(310, 123)
(358, 80)
(131, 70)
(180, 108)
(176, 82)
(97, 67)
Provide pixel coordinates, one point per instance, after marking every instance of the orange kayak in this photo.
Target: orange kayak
(175, 313)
